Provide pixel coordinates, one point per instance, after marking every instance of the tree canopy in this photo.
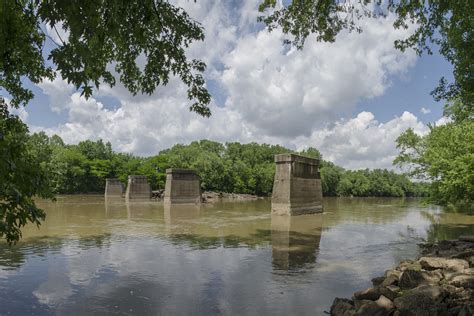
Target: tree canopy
(445, 158)
(24, 173)
(143, 43)
(230, 167)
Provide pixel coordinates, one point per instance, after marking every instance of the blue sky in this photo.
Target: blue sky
(350, 99)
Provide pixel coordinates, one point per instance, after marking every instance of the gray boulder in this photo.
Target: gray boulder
(374, 293)
(414, 278)
(342, 307)
(424, 300)
(374, 308)
(434, 263)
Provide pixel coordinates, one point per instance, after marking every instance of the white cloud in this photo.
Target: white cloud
(291, 94)
(362, 142)
(20, 112)
(425, 110)
(443, 121)
(294, 98)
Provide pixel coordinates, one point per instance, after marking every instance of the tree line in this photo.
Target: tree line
(230, 167)
(99, 37)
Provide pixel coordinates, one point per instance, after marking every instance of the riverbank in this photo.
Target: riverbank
(440, 282)
(210, 196)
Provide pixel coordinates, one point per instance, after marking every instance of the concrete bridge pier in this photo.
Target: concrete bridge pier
(182, 186)
(297, 186)
(113, 188)
(138, 188)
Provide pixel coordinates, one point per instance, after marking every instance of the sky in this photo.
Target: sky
(349, 99)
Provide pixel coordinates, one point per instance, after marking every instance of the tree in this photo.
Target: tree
(445, 23)
(105, 39)
(444, 157)
(142, 43)
(330, 178)
(24, 174)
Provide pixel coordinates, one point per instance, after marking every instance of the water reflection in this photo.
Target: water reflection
(295, 240)
(115, 208)
(179, 217)
(143, 210)
(143, 257)
(448, 224)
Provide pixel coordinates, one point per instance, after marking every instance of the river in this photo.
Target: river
(141, 258)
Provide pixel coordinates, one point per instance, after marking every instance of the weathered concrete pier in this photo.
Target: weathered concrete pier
(113, 188)
(182, 186)
(138, 188)
(297, 185)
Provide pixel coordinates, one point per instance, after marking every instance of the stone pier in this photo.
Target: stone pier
(113, 188)
(297, 186)
(138, 188)
(182, 186)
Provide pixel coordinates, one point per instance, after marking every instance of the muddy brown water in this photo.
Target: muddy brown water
(92, 256)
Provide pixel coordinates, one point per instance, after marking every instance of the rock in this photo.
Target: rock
(385, 303)
(469, 238)
(374, 293)
(393, 288)
(467, 310)
(409, 265)
(469, 271)
(421, 301)
(368, 294)
(439, 283)
(462, 280)
(391, 277)
(382, 306)
(464, 254)
(391, 291)
(413, 278)
(458, 295)
(445, 245)
(471, 261)
(342, 307)
(433, 263)
(377, 281)
(454, 311)
(371, 308)
(448, 275)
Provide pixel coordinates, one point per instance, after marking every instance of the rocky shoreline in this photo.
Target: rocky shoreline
(440, 282)
(210, 197)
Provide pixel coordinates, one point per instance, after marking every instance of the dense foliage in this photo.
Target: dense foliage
(141, 42)
(230, 167)
(23, 174)
(444, 157)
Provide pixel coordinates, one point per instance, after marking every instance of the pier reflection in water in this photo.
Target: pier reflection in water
(179, 217)
(295, 240)
(92, 256)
